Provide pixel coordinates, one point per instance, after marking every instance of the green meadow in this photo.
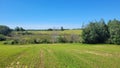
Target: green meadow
(59, 33)
(60, 56)
(78, 32)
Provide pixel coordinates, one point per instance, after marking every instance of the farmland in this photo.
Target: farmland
(60, 56)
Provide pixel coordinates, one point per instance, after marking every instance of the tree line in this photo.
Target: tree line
(102, 32)
(93, 33)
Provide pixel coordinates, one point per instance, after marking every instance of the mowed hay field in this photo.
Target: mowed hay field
(60, 56)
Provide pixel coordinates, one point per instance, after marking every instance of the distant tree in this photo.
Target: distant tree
(50, 29)
(62, 29)
(19, 29)
(114, 29)
(5, 30)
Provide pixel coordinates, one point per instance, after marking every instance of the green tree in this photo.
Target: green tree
(62, 29)
(102, 31)
(19, 29)
(5, 30)
(89, 33)
(50, 29)
(114, 29)
(95, 32)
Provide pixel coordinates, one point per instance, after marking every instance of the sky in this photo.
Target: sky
(44, 14)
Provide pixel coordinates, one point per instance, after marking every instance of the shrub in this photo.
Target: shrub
(2, 37)
(11, 42)
(62, 39)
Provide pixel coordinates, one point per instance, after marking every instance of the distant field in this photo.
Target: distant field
(60, 56)
(78, 32)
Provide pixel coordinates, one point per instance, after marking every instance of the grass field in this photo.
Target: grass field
(60, 56)
(78, 32)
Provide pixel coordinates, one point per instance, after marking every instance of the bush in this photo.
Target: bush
(45, 41)
(26, 41)
(11, 42)
(2, 37)
(62, 39)
(74, 38)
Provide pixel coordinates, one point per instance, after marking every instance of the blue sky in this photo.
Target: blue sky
(42, 14)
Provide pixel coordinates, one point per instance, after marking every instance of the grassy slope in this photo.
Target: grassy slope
(60, 56)
(78, 32)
